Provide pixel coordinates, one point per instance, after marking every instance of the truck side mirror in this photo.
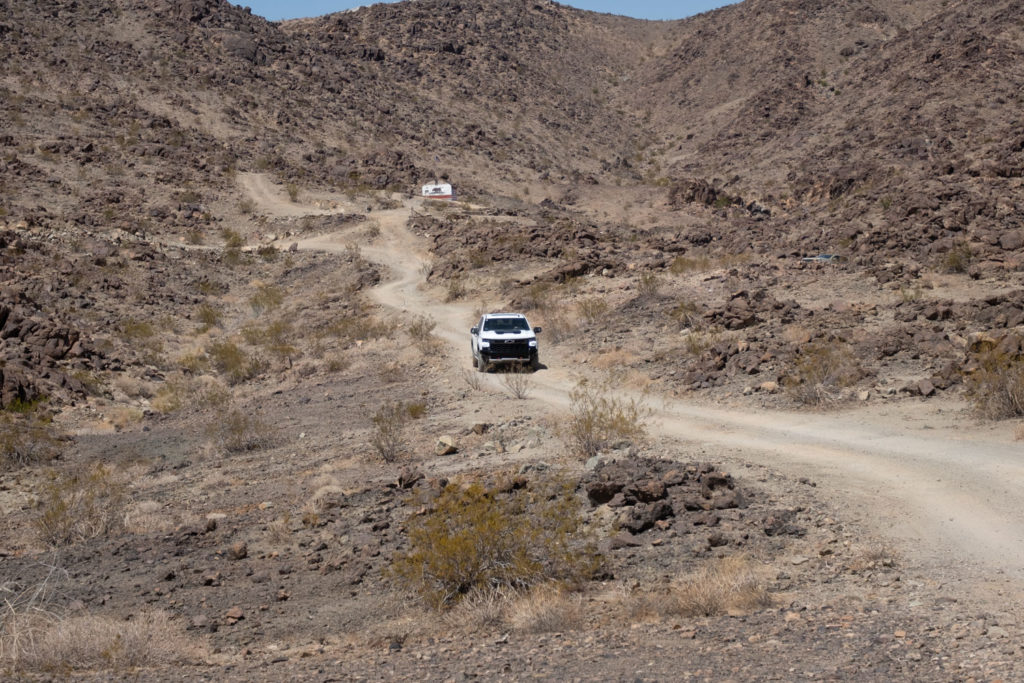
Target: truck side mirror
(474, 330)
(537, 330)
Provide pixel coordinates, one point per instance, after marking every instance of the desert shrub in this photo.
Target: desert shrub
(687, 314)
(338, 363)
(26, 440)
(821, 372)
(293, 192)
(420, 331)
(202, 392)
(686, 264)
(268, 252)
(388, 436)
(416, 409)
(234, 363)
(546, 609)
(233, 256)
(476, 537)
(592, 310)
(266, 298)
(83, 504)
(537, 296)
(208, 317)
(455, 289)
(238, 432)
(472, 380)
(246, 206)
(559, 325)
(276, 337)
(726, 585)
(360, 326)
(232, 239)
(517, 383)
(995, 390)
(195, 237)
(132, 330)
(958, 258)
(647, 285)
(597, 419)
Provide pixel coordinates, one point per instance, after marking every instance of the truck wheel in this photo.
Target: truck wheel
(535, 362)
(481, 364)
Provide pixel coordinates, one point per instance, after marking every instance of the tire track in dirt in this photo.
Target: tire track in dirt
(950, 499)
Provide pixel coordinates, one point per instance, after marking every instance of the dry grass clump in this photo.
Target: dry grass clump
(821, 373)
(732, 584)
(26, 439)
(547, 609)
(276, 336)
(726, 586)
(476, 537)
(597, 419)
(38, 641)
(995, 389)
(81, 505)
(360, 326)
(472, 380)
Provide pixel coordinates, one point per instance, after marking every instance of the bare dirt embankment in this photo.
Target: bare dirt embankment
(937, 484)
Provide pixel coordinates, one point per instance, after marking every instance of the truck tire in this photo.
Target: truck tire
(534, 362)
(481, 364)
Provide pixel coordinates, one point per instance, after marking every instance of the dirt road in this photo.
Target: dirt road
(947, 492)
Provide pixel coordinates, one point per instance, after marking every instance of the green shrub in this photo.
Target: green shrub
(514, 536)
(232, 239)
(234, 363)
(958, 258)
(995, 389)
(82, 505)
(648, 284)
(597, 419)
(266, 298)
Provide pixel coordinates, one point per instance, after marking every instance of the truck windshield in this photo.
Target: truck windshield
(505, 325)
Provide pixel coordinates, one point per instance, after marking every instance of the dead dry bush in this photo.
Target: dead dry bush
(421, 333)
(472, 379)
(388, 435)
(995, 389)
(821, 374)
(27, 439)
(517, 383)
(83, 504)
(597, 419)
(180, 392)
(477, 538)
(238, 432)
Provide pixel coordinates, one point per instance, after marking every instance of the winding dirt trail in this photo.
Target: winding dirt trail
(946, 492)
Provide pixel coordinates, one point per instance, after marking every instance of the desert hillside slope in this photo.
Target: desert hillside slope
(777, 253)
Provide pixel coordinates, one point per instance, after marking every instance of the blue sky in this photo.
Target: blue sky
(276, 10)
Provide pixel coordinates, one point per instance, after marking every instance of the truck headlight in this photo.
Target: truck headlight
(485, 344)
(533, 343)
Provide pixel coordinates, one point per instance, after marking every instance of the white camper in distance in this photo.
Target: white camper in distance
(438, 191)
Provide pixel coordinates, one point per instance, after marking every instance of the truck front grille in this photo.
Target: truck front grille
(510, 349)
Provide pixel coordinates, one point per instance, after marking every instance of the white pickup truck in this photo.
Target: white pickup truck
(504, 339)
